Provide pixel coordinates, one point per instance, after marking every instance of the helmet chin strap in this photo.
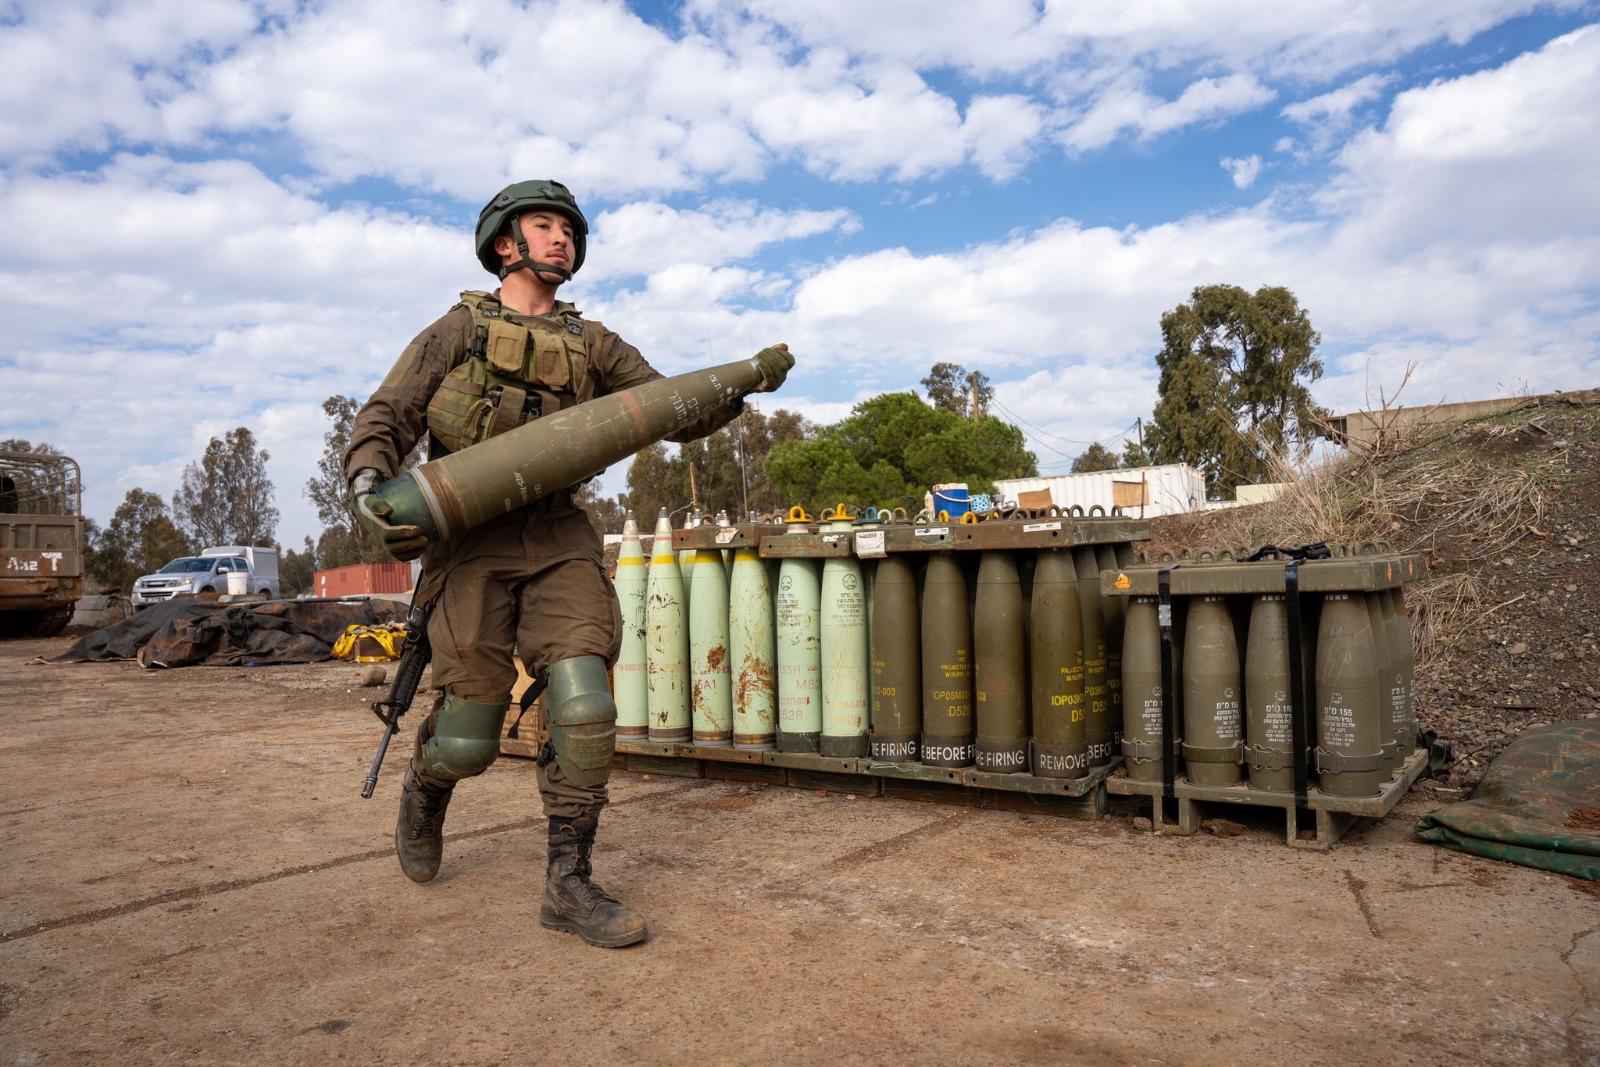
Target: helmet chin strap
(527, 262)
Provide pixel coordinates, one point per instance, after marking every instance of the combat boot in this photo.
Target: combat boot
(419, 834)
(574, 903)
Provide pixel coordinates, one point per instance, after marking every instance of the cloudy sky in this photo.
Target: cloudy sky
(221, 212)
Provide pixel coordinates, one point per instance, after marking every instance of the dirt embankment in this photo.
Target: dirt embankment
(1507, 510)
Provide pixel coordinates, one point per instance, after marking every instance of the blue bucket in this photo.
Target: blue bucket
(956, 502)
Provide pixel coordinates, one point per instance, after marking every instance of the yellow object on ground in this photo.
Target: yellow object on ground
(370, 644)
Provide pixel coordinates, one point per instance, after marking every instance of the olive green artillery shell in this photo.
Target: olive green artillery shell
(1269, 729)
(799, 642)
(1141, 690)
(1055, 655)
(1350, 734)
(1405, 656)
(1388, 681)
(896, 662)
(946, 665)
(464, 489)
(710, 672)
(1399, 632)
(1000, 660)
(1096, 704)
(1111, 609)
(1213, 736)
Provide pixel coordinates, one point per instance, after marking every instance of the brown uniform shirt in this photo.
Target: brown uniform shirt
(391, 423)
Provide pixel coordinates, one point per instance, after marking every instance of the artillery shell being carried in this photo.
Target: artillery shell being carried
(1141, 691)
(1213, 735)
(896, 662)
(1000, 658)
(753, 652)
(846, 672)
(946, 665)
(799, 656)
(631, 684)
(1055, 653)
(710, 677)
(666, 642)
(1096, 703)
(1269, 728)
(1350, 732)
(454, 493)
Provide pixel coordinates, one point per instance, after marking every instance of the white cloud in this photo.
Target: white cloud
(1128, 107)
(1243, 171)
(646, 236)
(1326, 117)
(1002, 131)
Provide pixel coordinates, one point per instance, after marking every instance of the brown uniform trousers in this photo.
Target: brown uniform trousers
(533, 584)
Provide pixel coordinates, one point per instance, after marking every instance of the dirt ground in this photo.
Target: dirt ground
(190, 876)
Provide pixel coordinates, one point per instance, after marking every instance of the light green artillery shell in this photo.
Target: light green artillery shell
(753, 652)
(1141, 690)
(686, 568)
(1111, 610)
(1055, 655)
(1213, 733)
(1269, 737)
(896, 662)
(1000, 659)
(710, 676)
(630, 680)
(846, 671)
(1096, 701)
(1350, 732)
(799, 656)
(1388, 682)
(666, 630)
(946, 664)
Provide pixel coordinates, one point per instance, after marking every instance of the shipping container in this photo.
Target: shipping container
(362, 579)
(1141, 492)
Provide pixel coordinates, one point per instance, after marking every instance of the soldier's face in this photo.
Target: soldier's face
(549, 237)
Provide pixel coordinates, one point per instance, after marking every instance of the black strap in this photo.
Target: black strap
(1315, 550)
(529, 695)
(1299, 699)
(1169, 762)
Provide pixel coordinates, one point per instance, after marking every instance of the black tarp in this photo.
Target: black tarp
(188, 633)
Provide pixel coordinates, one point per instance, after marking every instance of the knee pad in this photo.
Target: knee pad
(582, 719)
(465, 740)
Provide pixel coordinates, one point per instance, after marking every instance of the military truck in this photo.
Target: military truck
(41, 543)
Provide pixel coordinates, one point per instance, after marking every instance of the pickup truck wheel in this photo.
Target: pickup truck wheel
(49, 622)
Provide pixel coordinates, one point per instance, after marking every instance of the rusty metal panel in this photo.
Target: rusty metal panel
(739, 535)
(806, 546)
(1350, 574)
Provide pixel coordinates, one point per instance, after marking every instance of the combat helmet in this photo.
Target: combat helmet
(514, 200)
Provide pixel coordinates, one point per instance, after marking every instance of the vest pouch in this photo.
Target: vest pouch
(457, 410)
(506, 348)
(552, 367)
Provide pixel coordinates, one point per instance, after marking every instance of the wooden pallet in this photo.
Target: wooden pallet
(1329, 816)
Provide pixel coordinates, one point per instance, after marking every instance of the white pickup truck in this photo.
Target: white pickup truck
(235, 569)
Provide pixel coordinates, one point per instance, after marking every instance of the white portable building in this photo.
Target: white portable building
(1141, 492)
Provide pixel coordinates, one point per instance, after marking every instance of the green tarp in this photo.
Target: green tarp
(1539, 805)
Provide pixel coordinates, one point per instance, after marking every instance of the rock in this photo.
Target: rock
(371, 676)
(1142, 823)
(1518, 648)
(1221, 827)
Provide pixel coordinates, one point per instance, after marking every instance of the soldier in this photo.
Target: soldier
(533, 580)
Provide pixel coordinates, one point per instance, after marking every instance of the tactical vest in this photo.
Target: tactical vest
(512, 374)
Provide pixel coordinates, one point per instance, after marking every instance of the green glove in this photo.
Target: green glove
(400, 542)
(774, 364)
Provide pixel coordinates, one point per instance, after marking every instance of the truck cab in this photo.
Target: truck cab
(41, 543)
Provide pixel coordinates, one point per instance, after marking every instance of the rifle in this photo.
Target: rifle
(415, 652)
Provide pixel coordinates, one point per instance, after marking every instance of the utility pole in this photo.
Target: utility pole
(694, 496)
(972, 388)
(1144, 461)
